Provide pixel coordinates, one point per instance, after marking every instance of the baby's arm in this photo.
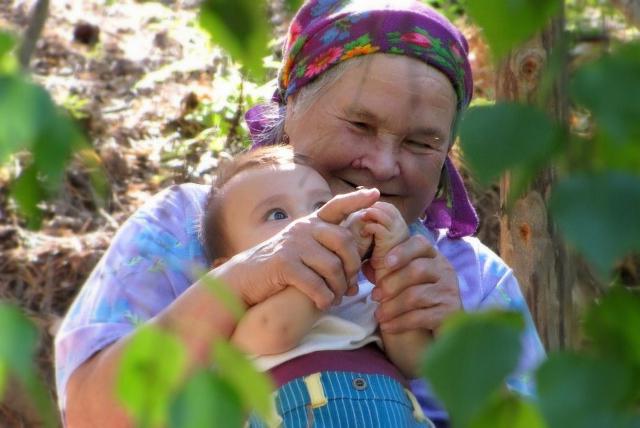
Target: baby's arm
(389, 229)
(277, 324)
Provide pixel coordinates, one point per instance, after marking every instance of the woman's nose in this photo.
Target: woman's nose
(382, 160)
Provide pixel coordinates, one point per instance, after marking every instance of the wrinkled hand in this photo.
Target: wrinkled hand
(314, 254)
(420, 291)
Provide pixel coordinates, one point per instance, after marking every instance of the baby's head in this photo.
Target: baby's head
(256, 195)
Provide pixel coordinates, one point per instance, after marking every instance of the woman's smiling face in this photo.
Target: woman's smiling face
(385, 123)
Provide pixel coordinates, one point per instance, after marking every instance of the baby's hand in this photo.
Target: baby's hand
(384, 222)
(356, 224)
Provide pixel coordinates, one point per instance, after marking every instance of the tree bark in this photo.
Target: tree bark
(551, 277)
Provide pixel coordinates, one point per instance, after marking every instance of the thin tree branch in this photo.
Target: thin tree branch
(32, 34)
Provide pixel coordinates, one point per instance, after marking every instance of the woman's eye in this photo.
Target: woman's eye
(276, 214)
(418, 145)
(363, 126)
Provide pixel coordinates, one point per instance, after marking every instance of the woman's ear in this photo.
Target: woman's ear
(220, 260)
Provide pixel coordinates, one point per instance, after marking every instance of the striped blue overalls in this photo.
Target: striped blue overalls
(344, 399)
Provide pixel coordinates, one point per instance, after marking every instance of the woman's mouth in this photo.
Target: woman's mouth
(358, 186)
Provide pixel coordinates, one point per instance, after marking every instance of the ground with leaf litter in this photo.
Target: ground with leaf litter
(159, 106)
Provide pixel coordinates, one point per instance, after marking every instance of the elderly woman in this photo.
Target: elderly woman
(369, 92)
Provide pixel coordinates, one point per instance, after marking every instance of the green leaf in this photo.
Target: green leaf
(28, 191)
(204, 401)
(20, 122)
(8, 62)
(3, 377)
(469, 341)
(29, 120)
(222, 292)
(613, 81)
(578, 391)
(150, 371)
(598, 214)
(293, 5)
(506, 23)
(506, 135)
(509, 411)
(612, 325)
(254, 388)
(241, 28)
(18, 344)
(18, 341)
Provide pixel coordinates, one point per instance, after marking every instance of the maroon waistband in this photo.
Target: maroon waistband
(368, 359)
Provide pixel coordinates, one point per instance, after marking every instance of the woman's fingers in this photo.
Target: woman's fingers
(313, 254)
(329, 268)
(311, 284)
(340, 242)
(401, 255)
(421, 296)
(423, 306)
(418, 271)
(341, 206)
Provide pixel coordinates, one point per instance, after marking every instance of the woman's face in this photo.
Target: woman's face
(385, 123)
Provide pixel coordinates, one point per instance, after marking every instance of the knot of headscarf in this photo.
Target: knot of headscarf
(325, 33)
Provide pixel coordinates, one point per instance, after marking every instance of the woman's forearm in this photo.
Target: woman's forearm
(196, 318)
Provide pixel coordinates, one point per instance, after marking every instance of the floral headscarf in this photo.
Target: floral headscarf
(326, 32)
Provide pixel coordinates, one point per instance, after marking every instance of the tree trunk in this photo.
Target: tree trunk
(529, 241)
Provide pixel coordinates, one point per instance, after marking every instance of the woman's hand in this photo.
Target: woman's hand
(314, 254)
(420, 291)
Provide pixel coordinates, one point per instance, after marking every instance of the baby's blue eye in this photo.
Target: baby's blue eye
(276, 214)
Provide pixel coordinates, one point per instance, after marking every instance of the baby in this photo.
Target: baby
(255, 196)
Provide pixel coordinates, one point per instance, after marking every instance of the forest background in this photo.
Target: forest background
(147, 101)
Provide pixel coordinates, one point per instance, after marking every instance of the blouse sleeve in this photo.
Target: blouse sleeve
(149, 263)
(486, 281)
(501, 290)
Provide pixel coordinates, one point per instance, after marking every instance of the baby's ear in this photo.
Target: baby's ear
(217, 262)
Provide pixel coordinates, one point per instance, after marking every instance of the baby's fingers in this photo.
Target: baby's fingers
(375, 214)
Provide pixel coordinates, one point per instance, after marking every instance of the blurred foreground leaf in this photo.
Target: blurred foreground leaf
(30, 121)
(293, 5)
(253, 388)
(509, 411)
(506, 135)
(613, 327)
(506, 23)
(463, 366)
(204, 402)
(18, 343)
(222, 292)
(610, 89)
(241, 28)
(150, 371)
(8, 61)
(578, 391)
(3, 377)
(598, 213)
